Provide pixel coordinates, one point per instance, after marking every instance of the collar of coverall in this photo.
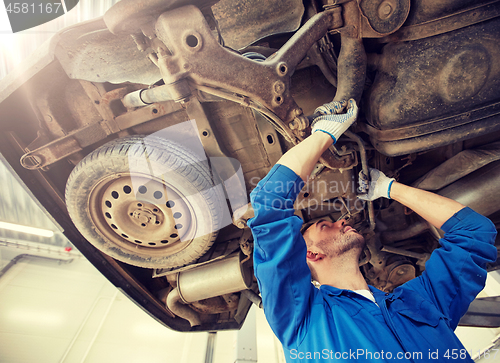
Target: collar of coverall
(334, 291)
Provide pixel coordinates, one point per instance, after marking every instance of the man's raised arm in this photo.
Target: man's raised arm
(279, 249)
(456, 272)
(434, 208)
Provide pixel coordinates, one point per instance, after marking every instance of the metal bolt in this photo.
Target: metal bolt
(299, 123)
(385, 10)
(297, 112)
(279, 87)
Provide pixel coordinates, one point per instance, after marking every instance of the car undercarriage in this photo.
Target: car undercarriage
(143, 132)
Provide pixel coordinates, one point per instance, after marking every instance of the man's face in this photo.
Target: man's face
(331, 239)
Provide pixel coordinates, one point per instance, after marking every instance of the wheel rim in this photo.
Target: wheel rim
(138, 212)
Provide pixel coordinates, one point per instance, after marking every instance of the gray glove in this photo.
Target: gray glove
(379, 186)
(332, 121)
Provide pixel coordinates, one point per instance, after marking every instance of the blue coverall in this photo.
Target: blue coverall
(415, 323)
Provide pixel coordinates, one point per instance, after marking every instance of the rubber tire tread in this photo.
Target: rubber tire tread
(113, 158)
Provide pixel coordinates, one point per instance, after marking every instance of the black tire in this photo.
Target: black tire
(145, 201)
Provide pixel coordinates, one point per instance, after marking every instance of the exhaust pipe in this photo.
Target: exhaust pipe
(174, 303)
(226, 276)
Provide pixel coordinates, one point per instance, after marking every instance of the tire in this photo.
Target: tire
(145, 201)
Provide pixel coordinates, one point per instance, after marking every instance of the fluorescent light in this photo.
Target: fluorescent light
(39, 317)
(26, 229)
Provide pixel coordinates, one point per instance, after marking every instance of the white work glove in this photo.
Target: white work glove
(332, 121)
(378, 186)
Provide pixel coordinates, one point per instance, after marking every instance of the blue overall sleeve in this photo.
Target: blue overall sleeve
(456, 272)
(280, 254)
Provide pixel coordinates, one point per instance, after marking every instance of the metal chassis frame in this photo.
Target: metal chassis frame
(193, 52)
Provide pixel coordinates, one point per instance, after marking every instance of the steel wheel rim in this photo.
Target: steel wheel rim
(142, 213)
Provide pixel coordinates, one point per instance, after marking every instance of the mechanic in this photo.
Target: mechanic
(345, 319)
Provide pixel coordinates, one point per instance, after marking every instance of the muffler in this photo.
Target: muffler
(226, 276)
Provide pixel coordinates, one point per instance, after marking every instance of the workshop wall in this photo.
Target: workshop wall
(56, 310)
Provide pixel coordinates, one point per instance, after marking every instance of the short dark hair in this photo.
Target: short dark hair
(305, 226)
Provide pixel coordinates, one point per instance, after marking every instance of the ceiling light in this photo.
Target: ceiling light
(26, 229)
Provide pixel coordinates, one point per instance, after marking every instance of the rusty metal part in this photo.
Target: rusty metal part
(340, 162)
(329, 159)
(366, 171)
(181, 92)
(460, 165)
(41, 179)
(63, 147)
(245, 243)
(440, 132)
(462, 61)
(242, 22)
(242, 215)
(350, 78)
(130, 16)
(251, 144)
(269, 138)
(461, 105)
(89, 51)
(176, 306)
(328, 4)
(422, 257)
(367, 257)
(374, 18)
(222, 165)
(315, 57)
(399, 275)
(75, 141)
(416, 131)
(216, 305)
(351, 69)
(414, 230)
(244, 101)
(147, 113)
(322, 192)
(101, 100)
(351, 72)
(115, 94)
(299, 123)
(199, 56)
(384, 271)
(383, 16)
(448, 23)
(146, 97)
(377, 271)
